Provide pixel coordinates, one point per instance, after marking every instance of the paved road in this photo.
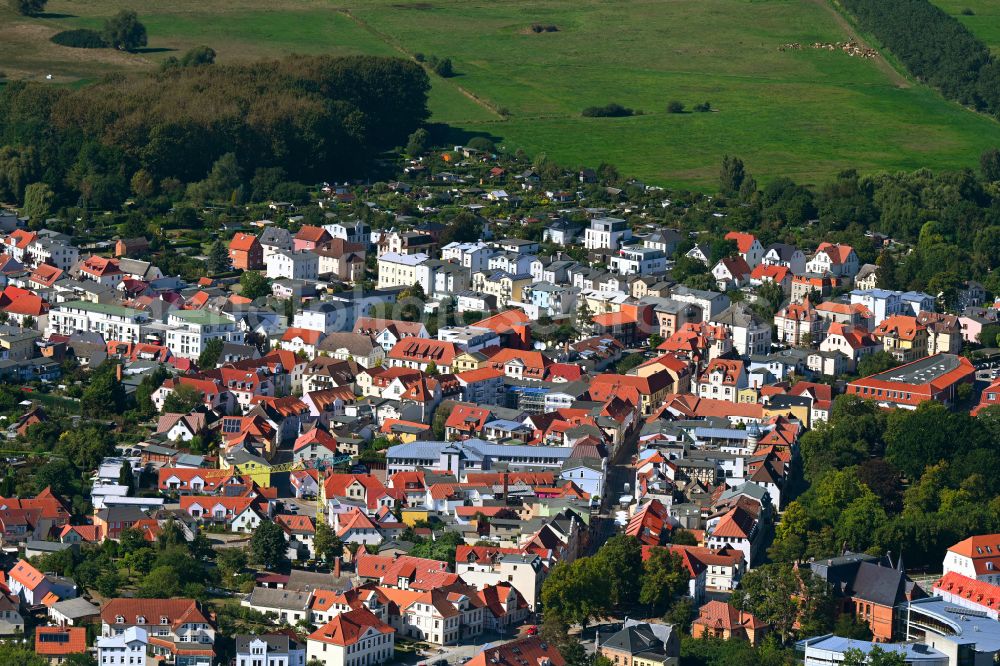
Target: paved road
(620, 472)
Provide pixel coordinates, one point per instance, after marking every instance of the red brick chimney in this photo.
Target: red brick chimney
(336, 566)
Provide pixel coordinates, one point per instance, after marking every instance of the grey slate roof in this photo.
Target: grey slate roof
(277, 644)
(637, 639)
(265, 597)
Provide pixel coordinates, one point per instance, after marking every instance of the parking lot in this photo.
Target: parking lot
(452, 655)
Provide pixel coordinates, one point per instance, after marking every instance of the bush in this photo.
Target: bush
(27, 7)
(612, 110)
(704, 107)
(124, 31)
(481, 143)
(80, 39)
(539, 27)
(968, 12)
(675, 107)
(441, 66)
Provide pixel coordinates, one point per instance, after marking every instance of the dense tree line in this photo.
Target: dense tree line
(934, 47)
(312, 118)
(950, 220)
(616, 577)
(910, 482)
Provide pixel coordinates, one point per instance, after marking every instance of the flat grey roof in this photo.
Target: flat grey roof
(922, 371)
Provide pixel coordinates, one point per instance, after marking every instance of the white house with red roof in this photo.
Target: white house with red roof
(34, 587)
(239, 514)
(731, 273)
(977, 557)
(99, 270)
(304, 482)
(723, 379)
(363, 491)
(779, 275)
(316, 443)
(748, 246)
(353, 638)
(836, 259)
(192, 481)
(355, 526)
(798, 324)
(419, 353)
(854, 343)
(738, 529)
(301, 340)
(17, 242)
(179, 631)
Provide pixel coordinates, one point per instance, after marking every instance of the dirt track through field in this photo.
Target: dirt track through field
(895, 77)
(399, 47)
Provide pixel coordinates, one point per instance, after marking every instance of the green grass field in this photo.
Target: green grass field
(984, 21)
(803, 113)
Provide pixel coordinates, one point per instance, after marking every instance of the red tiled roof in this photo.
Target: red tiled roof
(771, 272)
(504, 321)
(242, 242)
(308, 336)
(56, 641)
(177, 611)
(737, 524)
(744, 241)
(479, 375)
(532, 651)
(27, 575)
(336, 485)
(311, 234)
(424, 350)
(316, 436)
(348, 628)
(838, 253)
(720, 615)
(983, 550)
(978, 592)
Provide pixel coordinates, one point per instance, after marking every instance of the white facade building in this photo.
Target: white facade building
(403, 270)
(638, 261)
(189, 330)
(127, 648)
(474, 256)
(302, 265)
(112, 322)
(606, 232)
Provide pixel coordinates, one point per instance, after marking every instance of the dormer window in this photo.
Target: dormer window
(119, 619)
(140, 619)
(164, 619)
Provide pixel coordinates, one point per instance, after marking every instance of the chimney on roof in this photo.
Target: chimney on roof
(523, 332)
(336, 566)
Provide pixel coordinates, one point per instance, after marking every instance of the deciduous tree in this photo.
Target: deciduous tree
(268, 546)
(124, 31)
(664, 578)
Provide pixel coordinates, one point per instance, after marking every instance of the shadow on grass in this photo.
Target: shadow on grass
(154, 49)
(55, 15)
(443, 133)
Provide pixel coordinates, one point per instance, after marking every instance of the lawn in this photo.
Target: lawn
(803, 113)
